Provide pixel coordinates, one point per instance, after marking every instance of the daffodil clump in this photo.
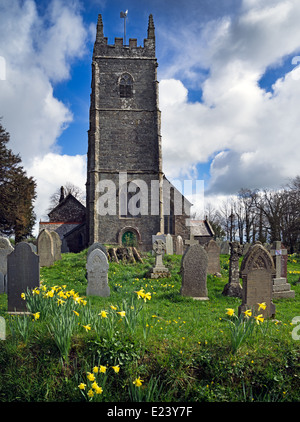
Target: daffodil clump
(94, 385)
(242, 327)
(47, 300)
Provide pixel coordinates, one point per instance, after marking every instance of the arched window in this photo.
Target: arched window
(126, 86)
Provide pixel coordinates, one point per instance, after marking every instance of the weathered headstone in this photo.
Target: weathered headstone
(169, 244)
(179, 245)
(96, 245)
(191, 241)
(97, 274)
(56, 245)
(213, 255)
(281, 288)
(45, 248)
(225, 248)
(23, 272)
(159, 270)
(246, 247)
(257, 272)
(233, 288)
(5, 249)
(194, 273)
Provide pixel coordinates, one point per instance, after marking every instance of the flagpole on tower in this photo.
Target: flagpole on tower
(124, 16)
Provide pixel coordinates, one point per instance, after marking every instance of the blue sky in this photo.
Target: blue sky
(229, 87)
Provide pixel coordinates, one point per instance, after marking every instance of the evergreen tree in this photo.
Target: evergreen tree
(17, 193)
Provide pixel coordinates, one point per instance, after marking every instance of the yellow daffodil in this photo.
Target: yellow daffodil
(94, 385)
(262, 306)
(36, 315)
(116, 368)
(90, 377)
(87, 327)
(147, 296)
(35, 291)
(138, 382)
(95, 369)
(23, 296)
(140, 293)
(113, 307)
(248, 313)
(82, 386)
(90, 393)
(121, 313)
(60, 302)
(98, 390)
(259, 318)
(230, 311)
(103, 369)
(76, 313)
(103, 314)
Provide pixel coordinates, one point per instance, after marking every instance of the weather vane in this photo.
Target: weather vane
(124, 16)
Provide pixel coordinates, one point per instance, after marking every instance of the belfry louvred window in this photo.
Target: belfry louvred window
(126, 86)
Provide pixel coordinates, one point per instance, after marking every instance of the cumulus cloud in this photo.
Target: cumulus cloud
(249, 135)
(39, 47)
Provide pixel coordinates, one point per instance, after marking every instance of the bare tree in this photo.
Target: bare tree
(63, 192)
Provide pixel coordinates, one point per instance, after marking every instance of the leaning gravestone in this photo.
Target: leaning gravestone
(179, 245)
(194, 273)
(213, 255)
(56, 245)
(97, 274)
(233, 288)
(281, 288)
(23, 272)
(159, 270)
(45, 248)
(5, 249)
(257, 272)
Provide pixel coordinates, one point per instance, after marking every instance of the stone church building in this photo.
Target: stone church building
(127, 194)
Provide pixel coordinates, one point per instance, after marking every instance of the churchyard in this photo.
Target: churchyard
(145, 341)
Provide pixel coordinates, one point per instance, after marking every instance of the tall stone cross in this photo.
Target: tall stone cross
(191, 241)
(278, 253)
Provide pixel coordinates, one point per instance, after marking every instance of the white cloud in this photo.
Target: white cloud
(39, 50)
(249, 134)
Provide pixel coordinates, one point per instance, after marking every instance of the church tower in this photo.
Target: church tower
(124, 142)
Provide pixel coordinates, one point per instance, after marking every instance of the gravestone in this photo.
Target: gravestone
(96, 245)
(23, 272)
(2, 286)
(56, 245)
(169, 244)
(225, 248)
(257, 272)
(97, 274)
(179, 245)
(45, 248)
(246, 247)
(281, 288)
(213, 255)
(194, 273)
(233, 288)
(5, 249)
(159, 270)
(191, 241)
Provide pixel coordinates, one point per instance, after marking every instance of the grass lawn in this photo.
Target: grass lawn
(165, 348)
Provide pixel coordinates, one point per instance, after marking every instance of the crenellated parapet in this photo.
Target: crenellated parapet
(103, 49)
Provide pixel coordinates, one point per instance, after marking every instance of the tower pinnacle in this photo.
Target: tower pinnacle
(151, 28)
